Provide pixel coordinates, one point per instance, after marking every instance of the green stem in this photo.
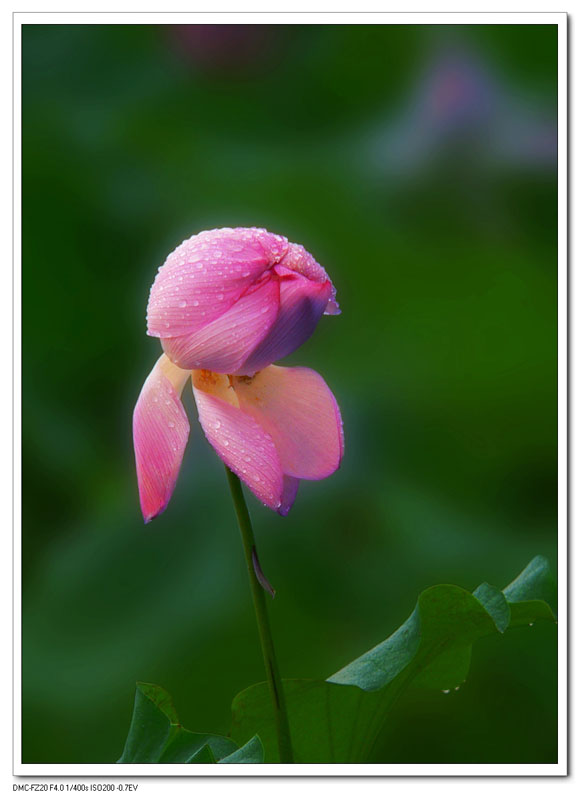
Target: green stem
(259, 597)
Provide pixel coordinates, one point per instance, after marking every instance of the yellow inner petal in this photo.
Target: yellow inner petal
(216, 384)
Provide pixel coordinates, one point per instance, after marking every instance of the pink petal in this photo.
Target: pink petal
(239, 441)
(160, 433)
(224, 344)
(203, 277)
(288, 494)
(302, 303)
(296, 407)
(299, 260)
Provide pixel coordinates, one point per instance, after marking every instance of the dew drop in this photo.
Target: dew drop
(182, 303)
(226, 442)
(171, 424)
(445, 691)
(220, 297)
(195, 302)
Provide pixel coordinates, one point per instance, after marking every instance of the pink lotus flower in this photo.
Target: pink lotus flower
(236, 300)
(225, 305)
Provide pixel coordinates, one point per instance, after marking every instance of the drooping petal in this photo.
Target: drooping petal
(160, 433)
(298, 259)
(239, 440)
(289, 492)
(296, 407)
(302, 303)
(203, 277)
(223, 345)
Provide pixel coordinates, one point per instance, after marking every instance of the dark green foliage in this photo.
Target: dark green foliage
(339, 720)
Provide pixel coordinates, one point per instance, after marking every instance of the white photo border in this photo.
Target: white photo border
(115, 771)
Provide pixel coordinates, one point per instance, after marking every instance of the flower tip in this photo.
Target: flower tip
(332, 309)
(149, 516)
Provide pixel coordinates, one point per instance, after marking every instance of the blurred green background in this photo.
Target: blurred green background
(418, 165)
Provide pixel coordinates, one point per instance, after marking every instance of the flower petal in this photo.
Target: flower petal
(296, 407)
(298, 259)
(224, 344)
(302, 303)
(160, 433)
(239, 441)
(288, 494)
(203, 277)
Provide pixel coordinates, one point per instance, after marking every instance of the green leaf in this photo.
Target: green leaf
(323, 718)
(495, 604)
(532, 595)
(156, 736)
(535, 582)
(251, 753)
(338, 720)
(203, 756)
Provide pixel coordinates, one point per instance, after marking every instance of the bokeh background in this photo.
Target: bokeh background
(418, 164)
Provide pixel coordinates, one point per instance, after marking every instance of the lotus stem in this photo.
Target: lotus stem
(261, 611)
